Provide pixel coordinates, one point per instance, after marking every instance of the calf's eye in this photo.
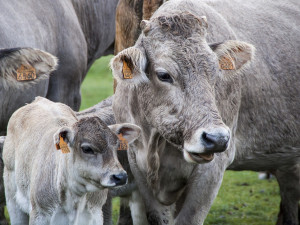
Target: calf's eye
(164, 77)
(87, 150)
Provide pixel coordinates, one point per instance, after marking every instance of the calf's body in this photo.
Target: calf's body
(56, 188)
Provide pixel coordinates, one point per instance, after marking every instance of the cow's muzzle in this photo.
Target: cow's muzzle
(204, 143)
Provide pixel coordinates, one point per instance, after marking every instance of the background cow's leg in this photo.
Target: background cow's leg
(125, 213)
(289, 183)
(200, 193)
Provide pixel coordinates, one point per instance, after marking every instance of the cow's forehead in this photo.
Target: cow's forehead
(179, 57)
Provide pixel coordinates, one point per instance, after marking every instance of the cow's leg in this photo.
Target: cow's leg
(38, 218)
(17, 216)
(203, 187)
(289, 183)
(125, 213)
(145, 209)
(137, 208)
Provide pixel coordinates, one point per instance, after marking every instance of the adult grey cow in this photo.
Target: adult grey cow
(203, 107)
(76, 31)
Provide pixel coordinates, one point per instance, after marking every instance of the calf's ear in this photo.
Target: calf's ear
(233, 55)
(66, 133)
(129, 66)
(129, 131)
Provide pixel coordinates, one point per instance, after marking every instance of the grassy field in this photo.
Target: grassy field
(243, 199)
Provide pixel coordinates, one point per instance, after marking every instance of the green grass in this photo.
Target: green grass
(242, 199)
(98, 83)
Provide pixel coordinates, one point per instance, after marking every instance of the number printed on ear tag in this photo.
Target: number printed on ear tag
(123, 143)
(26, 72)
(127, 73)
(226, 64)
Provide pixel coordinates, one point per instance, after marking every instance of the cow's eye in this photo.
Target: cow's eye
(87, 150)
(165, 77)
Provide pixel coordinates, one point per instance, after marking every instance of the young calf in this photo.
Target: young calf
(67, 186)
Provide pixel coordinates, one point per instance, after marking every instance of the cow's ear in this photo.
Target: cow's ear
(233, 55)
(129, 131)
(129, 66)
(14, 60)
(66, 134)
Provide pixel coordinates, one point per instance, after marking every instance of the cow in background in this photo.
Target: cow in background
(77, 32)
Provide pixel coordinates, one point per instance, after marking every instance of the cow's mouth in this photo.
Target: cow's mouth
(198, 157)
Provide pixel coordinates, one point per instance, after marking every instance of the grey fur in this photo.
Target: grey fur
(52, 187)
(77, 32)
(258, 102)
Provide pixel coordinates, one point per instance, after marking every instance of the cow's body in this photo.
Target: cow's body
(259, 104)
(50, 186)
(77, 32)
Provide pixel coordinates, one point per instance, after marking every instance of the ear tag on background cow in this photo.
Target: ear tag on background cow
(62, 145)
(123, 143)
(127, 73)
(226, 64)
(26, 72)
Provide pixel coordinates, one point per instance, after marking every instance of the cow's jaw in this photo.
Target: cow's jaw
(197, 157)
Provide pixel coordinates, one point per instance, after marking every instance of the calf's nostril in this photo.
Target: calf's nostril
(119, 179)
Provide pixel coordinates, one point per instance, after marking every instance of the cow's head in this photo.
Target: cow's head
(93, 146)
(176, 72)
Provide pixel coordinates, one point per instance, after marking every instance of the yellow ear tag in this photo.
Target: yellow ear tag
(26, 72)
(226, 64)
(123, 143)
(127, 74)
(62, 145)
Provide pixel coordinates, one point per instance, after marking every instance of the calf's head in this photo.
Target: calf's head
(175, 73)
(93, 158)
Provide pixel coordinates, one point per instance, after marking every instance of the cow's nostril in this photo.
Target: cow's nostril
(215, 142)
(119, 179)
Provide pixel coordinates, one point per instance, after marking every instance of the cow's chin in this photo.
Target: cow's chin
(198, 158)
